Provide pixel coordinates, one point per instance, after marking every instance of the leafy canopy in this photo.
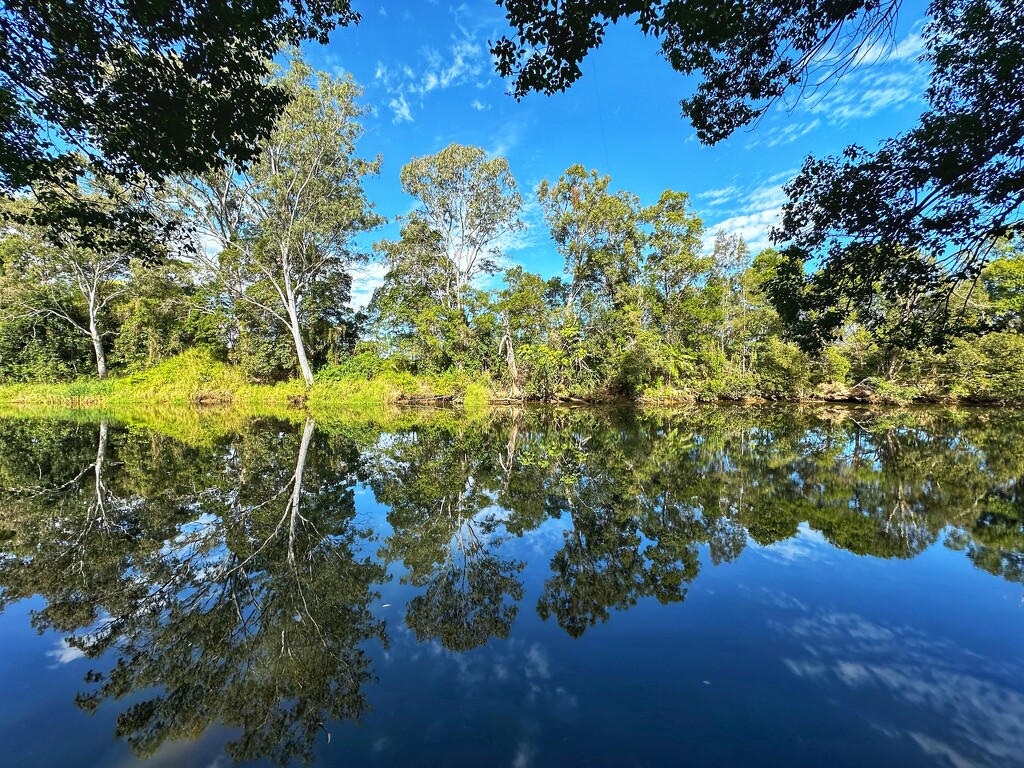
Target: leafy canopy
(138, 91)
(153, 87)
(912, 219)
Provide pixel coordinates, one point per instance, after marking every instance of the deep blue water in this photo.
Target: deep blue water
(713, 587)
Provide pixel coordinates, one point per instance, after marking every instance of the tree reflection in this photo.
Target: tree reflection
(253, 612)
(634, 531)
(231, 581)
(438, 486)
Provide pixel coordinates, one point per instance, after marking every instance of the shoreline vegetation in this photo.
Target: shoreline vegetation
(198, 381)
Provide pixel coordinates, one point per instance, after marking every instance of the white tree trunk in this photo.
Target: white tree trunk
(101, 456)
(300, 345)
(296, 497)
(97, 346)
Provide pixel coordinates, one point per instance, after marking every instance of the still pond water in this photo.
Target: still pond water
(714, 586)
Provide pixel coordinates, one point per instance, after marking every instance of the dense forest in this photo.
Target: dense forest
(253, 268)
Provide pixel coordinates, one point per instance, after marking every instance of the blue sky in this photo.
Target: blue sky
(429, 81)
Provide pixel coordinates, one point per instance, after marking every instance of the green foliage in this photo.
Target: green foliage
(364, 364)
(159, 317)
(782, 369)
(42, 349)
(642, 310)
(467, 203)
(285, 228)
(987, 368)
(893, 231)
(427, 312)
(477, 395)
(835, 366)
(1003, 280)
(144, 91)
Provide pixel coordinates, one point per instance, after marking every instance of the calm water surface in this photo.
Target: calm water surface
(746, 586)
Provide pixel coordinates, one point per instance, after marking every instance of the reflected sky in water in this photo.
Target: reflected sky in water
(714, 586)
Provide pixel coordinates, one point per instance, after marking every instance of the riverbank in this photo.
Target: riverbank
(196, 380)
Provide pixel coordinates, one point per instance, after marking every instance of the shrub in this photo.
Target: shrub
(782, 369)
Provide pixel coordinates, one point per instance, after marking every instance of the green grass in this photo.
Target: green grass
(194, 378)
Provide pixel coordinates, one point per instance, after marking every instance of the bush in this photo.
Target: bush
(782, 369)
(477, 396)
(989, 367)
(835, 367)
(362, 365)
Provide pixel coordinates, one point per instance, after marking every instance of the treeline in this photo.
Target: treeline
(256, 267)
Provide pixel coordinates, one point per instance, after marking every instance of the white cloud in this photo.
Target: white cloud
(365, 280)
(467, 61)
(479, 106)
(781, 176)
(505, 139)
(756, 211)
(785, 135)
(461, 64)
(533, 236)
(766, 196)
(747, 209)
(910, 47)
(752, 227)
(400, 107)
(976, 712)
(720, 196)
(537, 663)
(884, 76)
(65, 653)
(864, 92)
(807, 545)
(525, 753)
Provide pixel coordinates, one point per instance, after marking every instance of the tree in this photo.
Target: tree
(524, 314)
(428, 310)
(732, 259)
(410, 310)
(635, 277)
(284, 228)
(595, 231)
(33, 346)
(151, 88)
(471, 203)
(676, 262)
(1003, 280)
(943, 190)
(54, 274)
(678, 273)
(158, 317)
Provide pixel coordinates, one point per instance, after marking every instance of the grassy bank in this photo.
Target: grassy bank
(195, 379)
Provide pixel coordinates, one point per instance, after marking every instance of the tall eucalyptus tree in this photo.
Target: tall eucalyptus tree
(472, 203)
(279, 235)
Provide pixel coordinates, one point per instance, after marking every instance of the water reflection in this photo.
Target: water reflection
(226, 578)
(437, 485)
(230, 578)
